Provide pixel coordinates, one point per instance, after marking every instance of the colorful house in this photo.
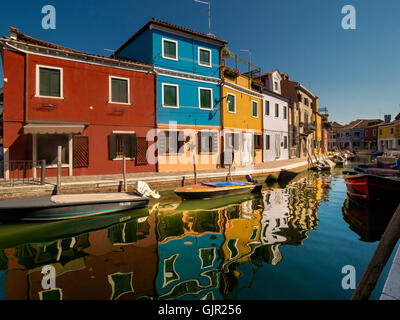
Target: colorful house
(371, 137)
(96, 108)
(351, 136)
(187, 66)
(318, 134)
(275, 118)
(242, 120)
(389, 136)
(301, 124)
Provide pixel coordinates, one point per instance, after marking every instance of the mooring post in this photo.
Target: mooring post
(59, 170)
(381, 256)
(194, 169)
(183, 181)
(43, 172)
(124, 173)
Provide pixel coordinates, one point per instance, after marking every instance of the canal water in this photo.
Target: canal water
(290, 243)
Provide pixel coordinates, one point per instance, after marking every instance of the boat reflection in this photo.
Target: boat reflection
(102, 264)
(369, 223)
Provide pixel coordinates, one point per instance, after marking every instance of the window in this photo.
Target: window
(276, 85)
(285, 142)
(254, 110)
(366, 133)
(47, 148)
(171, 142)
(119, 90)
(205, 98)
(204, 57)
(380, 131)
(374, 132)
(170, 49)
(232, 141)
(284, 112)
(258, 142)
(121, 144)
(207, 142)
(231, 101)
(391, 130)
(49, 82)
(306, 101)
(267, 142)
(276, 110)
(170, 95)
(266, 108)
(357, 134)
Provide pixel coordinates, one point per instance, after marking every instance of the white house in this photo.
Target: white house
(275, 118)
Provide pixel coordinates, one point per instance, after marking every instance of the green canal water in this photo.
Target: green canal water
(290, 243)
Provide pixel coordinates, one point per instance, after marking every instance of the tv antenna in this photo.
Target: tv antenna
(110, 50)
(209, 14)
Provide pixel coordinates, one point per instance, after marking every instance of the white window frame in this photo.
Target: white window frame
(38, 66)
(227, 104)
(162, 53)
(252, 101)
(198, 57)
(211, 102)
(177, 95)
(110, 90)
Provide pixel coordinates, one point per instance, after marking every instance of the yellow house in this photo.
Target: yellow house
(389, 136)
(241, 121)
(317, 119)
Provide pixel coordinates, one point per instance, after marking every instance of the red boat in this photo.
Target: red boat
(373, 190)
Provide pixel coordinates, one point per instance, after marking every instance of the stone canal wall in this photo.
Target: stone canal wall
(268, 172)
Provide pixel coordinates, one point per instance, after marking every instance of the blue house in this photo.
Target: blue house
(187, 65)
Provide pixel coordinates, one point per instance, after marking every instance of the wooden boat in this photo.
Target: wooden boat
(217, 189)
(373, 190)
(69, 206)
(338, 160)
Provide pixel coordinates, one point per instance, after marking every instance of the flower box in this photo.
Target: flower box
(231, 73)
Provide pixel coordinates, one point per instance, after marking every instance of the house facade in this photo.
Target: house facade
(351, 136)
(371, 137)
(332, 131)
(97, 109)
(242, 121)
(389, 136)
(301, 124)
(187, 67)
(275, 112)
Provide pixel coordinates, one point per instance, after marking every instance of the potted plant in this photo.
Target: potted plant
(257, 84)
(231, 73)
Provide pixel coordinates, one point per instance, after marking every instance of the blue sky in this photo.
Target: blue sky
(356, 73)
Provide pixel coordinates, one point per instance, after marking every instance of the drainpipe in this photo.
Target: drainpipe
(155, 111)
(221, 110)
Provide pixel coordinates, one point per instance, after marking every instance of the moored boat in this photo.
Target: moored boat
(373, 190)
(69, 206)
(218, 189)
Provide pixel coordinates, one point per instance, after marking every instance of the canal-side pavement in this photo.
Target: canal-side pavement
(157, 180)
(391, 290)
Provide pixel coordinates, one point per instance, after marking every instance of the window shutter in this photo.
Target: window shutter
(214, 148)
(81, 152)
(181, 142)
(162, 142)
(199, 142)
(142, 146)
(133, 143)
(236, 141)
(112, 146)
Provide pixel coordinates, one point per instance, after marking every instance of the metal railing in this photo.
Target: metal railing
(20, 172)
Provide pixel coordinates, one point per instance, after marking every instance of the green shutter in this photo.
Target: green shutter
(133, 148)
(112, 146)
(119, 90)
(255, 111)
(205, 57)
(170, 96)
(49, 82)
(170, 49)
(267, 108)
(267, 142)
(231, 103)
(205, 99)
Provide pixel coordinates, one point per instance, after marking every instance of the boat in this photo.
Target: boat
(70, 206)
(338, 160)
(218, 189)
(371, 190)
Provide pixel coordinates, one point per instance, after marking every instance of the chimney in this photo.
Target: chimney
(388, 118)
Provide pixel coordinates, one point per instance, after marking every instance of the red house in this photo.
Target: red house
(97, 108)
(371, 136)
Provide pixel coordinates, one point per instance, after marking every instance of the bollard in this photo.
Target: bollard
(43, 172)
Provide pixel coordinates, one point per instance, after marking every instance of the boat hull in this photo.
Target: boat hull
(203, 192)
(372, 190)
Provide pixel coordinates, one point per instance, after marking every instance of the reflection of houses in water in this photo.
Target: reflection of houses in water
(189, 254)
(114, 263)
(304, 198)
